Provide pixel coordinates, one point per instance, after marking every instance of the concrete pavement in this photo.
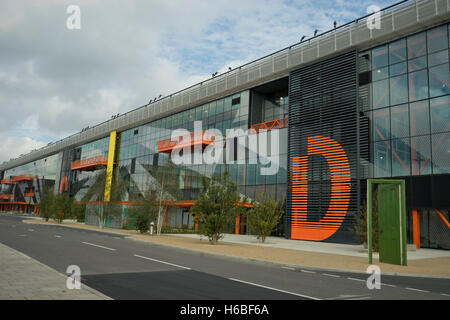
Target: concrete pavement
(23, 278)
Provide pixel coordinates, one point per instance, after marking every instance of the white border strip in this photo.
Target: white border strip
(96, 245)
(170, 264)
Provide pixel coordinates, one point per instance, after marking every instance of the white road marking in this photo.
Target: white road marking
(331, 275)
(444, 294)
(30, 230)
(357, 279)
(307, 271)
(389, 285)
(275, 289)
(57, 236)
(170, 264)
(289, 268)
(96, 245)
(413, 289)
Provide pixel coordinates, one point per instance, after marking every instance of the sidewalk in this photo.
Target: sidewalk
(294, 253)
(23, 278)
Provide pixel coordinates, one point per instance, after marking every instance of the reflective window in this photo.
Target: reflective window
(380, 93)
(420, 155)
(419, 118)
(399, 89)
(382, 159)
(441, 152)
(381, 124)
(379, 57)
(418, 85)
(380, 73)
(401, 157)
(397, 51)
(440, 114)
(439, 79)
(417, 64)
(399, 121)
(437, 39)
(398, 69)
(417, 45)
(437, 58)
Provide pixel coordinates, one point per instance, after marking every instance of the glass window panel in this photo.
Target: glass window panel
(419, 118)
(399, 121)
(397, 51)
(439, 78)
(440, 114)
(212, 108)
(381, 124)
(417, 64)
(401, 165)
(205, 111)
(380, 73)
(438, 58)
(398, 69)
(437, 39)
(227, 104)
(399, 89)
(379, 57)
(250, 177)
(219, 106)
(382, 159)
(198, 113)
(418, 85)
(380, 94)
(417, 45)
(420, 155)
(441, 152)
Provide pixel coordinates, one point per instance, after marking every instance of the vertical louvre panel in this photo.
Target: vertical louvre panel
(323, 149)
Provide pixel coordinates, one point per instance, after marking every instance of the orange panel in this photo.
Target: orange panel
(340, 191)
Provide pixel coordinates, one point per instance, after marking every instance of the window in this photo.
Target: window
(437, 39)
(439, 79)
(420, 155)
(381, 125)
(398, 69)
(399, 121)
(399, 89)
(441, 152)
(440, 114)
(401, 157)
(382, 160)
(418, 85)
(379, 57)
(380, 74)
(419, 118)
(381, 94)
(397, 51)
(437, 58)
(417, 45)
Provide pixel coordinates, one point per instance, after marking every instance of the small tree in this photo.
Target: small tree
(63, 207)
(360, 223)
(216, 207)
(146, 211)
(47, 203)
(96, 192)
(264, 217)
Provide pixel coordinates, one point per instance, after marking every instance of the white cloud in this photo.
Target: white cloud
(55, 81)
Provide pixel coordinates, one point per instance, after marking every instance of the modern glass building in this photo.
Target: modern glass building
(310, 124)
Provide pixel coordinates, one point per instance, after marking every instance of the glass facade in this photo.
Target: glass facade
(410, 107)
(43, 168)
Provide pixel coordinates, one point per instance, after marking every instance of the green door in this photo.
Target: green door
(390, 239)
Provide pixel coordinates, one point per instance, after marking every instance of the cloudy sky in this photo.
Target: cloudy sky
(55, 81)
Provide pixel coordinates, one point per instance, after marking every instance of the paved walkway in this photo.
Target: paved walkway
(23, 278)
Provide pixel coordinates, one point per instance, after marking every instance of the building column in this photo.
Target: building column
(416, 227)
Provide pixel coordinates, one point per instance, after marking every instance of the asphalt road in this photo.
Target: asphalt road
(123, 268)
